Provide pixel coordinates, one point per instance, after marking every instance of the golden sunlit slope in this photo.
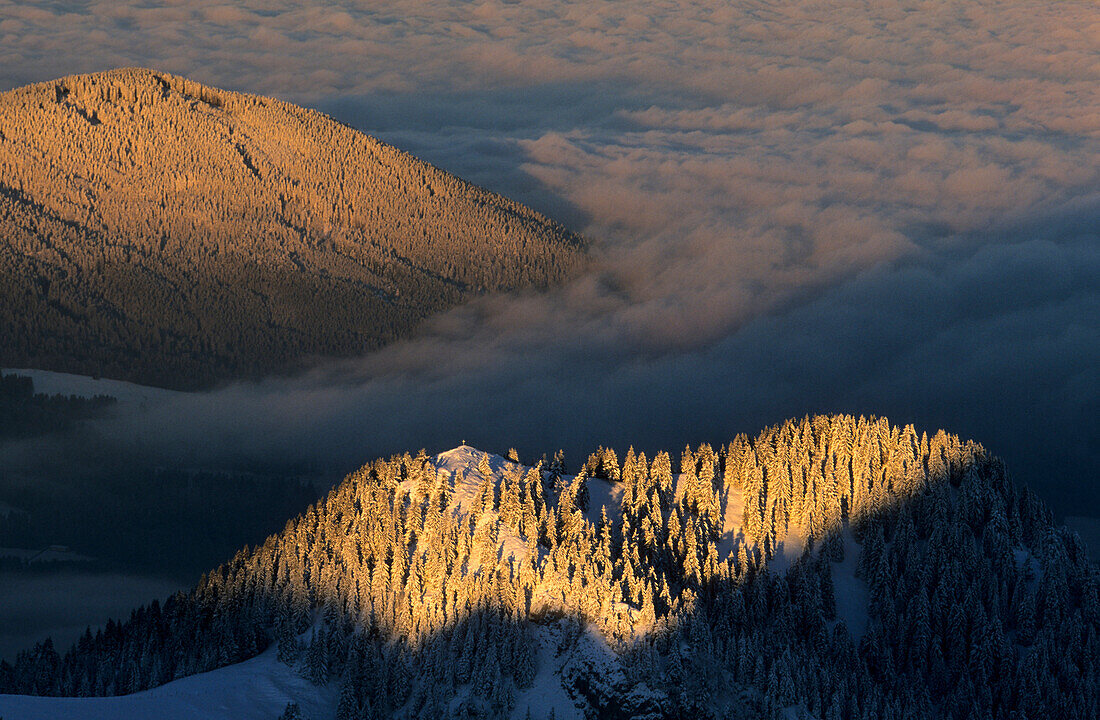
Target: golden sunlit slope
(157, 230)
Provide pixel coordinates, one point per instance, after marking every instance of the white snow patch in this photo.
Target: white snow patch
(459, 467)
(546, 692)
(1025, 561)
(732, 517)
(797, 712)
(853, 597)
(603, 493)
(257, 689)
(787, 552)
(463, 460)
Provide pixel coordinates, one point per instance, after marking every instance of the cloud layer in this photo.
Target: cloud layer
(883, 208)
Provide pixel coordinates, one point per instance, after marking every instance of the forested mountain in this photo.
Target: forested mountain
(156, 230)
(833, 567)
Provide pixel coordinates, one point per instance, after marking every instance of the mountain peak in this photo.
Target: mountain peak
(183, 234)
(129, 90)
(465, 458)
(434, 594)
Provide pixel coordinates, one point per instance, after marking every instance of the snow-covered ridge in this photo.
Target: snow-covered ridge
(460, 467)
(257, 689)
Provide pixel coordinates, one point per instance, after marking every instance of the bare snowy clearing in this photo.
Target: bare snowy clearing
(257, 689)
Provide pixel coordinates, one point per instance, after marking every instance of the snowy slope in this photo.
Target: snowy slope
(257, 689)
(459, 468)
(853, 597)
(546, 692)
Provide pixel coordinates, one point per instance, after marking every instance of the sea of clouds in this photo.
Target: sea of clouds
(881, 208)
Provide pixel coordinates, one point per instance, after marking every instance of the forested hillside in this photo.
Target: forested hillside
(837, 567)
(156, 230)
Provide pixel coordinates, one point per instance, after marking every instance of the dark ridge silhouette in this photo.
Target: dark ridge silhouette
(426, 588)
(161, 231)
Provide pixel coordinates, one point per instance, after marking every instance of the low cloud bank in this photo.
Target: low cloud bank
(997, 345)
(815, 207)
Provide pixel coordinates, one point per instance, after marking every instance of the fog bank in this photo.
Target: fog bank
(814, 207)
